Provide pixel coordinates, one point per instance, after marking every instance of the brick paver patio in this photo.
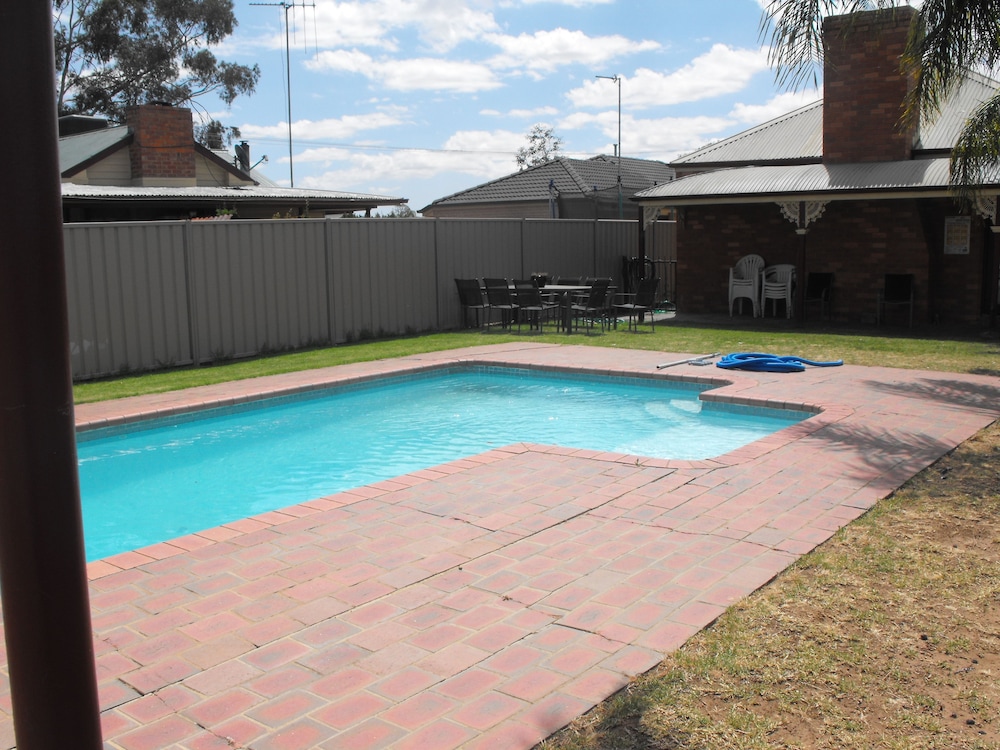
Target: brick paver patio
(489, 601)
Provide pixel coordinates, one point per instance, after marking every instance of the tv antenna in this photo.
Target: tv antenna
(288, 77)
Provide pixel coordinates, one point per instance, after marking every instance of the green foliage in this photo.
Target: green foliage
(111, 54)
(213, 134)
(398, 212)
(543, 145)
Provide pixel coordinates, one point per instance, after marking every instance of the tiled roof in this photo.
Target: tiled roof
(568, 176)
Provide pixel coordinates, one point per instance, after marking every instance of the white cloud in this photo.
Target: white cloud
(571, 3)
(544, 51)
(669, 137)
(755, 114)
(482, 141)
(418, 74)
(328, 129)
(440, 24)
(521, 113)
(386, 172)
(482, 154)
(660, 138)
(721, 70)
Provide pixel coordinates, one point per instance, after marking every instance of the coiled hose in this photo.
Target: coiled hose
(769, 362)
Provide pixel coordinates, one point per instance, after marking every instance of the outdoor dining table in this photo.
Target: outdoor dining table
(565, 292)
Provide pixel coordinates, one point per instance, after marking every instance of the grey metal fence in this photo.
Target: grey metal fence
(151, 295)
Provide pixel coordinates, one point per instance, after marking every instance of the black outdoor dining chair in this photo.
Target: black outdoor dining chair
(500, 297)
(530, 304)
(593, 306)
(819, 290)
(896, 291)
(642, 304)
(470, 296)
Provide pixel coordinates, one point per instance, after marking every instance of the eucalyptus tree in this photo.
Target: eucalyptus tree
(543, 145)
(948, 39)
(111, 54)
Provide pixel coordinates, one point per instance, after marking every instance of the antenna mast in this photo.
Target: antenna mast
(288, 78)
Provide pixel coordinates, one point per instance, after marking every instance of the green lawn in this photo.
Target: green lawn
(854, 347)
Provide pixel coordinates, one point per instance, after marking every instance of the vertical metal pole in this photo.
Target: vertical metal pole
(621, 208)
(43, 578)
(288, 77)
(800, 281)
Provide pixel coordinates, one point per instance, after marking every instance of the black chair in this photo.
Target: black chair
(530, 303)
(643, 302)
(896, 291)
(500, 297)
(470, 296)
(594, 304)
(819, 289)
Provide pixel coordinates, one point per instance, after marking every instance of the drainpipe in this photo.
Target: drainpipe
(43, 574)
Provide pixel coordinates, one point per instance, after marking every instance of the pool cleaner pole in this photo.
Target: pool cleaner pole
(43, 574)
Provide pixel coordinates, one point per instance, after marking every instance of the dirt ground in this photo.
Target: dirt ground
(888, 636)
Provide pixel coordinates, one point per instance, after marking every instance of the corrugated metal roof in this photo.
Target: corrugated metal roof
(245, 192)
(829, 181)
(941, 131)
(569, 176)
(793, 136)
(77, 149)
(798, 135)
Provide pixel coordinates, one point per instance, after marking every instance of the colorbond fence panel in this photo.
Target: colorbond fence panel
(381, 277)
(150, 295)
(487, 248)
(258, 286)
(127, 298)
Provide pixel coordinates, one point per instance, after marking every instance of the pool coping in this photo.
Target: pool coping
(489, 601)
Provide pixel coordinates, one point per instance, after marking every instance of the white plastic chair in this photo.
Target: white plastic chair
(744, 282)
(777, 284)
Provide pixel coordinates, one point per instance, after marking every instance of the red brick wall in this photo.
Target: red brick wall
(859, 241)
(162, 145)
(863, 87)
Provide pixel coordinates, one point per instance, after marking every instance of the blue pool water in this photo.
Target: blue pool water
(142, 484)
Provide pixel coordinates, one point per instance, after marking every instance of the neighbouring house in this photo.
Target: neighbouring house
(561, 188)
(151, 168)
(841, 187)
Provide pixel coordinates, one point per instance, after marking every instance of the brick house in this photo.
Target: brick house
(839, 186)
(152, 168)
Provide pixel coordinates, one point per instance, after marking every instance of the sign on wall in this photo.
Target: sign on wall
(957, 231)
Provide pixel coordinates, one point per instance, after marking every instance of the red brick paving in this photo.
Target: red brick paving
(487, 602)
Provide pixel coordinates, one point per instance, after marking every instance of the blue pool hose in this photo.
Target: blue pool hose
(769, 362)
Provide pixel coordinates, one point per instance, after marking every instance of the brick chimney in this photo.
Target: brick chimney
(863, 87)
(162, 150)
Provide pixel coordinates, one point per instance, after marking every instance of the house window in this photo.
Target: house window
(957, 230)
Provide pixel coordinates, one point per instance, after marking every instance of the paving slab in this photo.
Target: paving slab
(489, 601)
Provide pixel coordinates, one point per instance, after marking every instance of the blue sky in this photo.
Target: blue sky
(423, 98)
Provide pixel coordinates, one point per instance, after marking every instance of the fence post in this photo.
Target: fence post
(194, 324)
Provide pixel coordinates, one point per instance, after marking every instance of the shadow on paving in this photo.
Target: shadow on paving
(943, 390)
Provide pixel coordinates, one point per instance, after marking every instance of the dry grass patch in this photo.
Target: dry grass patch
(887, 636)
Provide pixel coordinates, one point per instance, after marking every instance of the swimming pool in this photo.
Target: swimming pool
(152, 481)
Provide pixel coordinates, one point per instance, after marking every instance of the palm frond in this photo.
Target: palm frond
(950, 38)
(793, 30)
(976, 155)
